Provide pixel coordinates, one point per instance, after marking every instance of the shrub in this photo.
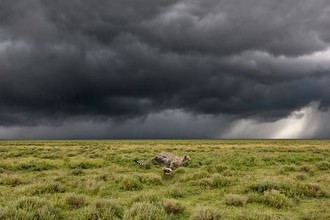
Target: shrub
(173, 206)
(145, 211)
(75, 201)
(205, 213)
(236, 200)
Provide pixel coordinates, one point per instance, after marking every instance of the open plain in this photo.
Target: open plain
(225, 179)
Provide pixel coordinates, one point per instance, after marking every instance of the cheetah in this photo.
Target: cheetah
(166, 159)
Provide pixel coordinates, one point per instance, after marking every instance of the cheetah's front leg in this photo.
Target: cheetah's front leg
(167, 171)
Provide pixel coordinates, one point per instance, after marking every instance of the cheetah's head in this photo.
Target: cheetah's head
(186, 158)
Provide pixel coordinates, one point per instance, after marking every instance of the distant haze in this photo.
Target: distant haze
(164, 69)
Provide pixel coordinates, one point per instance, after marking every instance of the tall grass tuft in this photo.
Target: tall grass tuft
(145, 211)
(255, 215)
(236, 200)
(49, 187)
(130, 183)
(151, 179)
(323, 165)
(176, 191)
(102, 209)
(77, 172)
(75, 201)
(149, 197)
(11, 180)
(33, 166)
(215, 181)
(289, 189)
(31, 208)
(206, 213)
(275, 199)
(173, 206)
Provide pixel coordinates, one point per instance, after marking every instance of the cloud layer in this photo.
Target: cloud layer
(123, 60)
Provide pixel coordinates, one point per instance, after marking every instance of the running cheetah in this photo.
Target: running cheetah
(168, 160)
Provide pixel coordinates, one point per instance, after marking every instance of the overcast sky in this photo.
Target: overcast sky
(164, 69)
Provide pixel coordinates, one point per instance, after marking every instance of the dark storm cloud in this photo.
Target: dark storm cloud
(123, 59)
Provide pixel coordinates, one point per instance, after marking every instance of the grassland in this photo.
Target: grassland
(226, 179)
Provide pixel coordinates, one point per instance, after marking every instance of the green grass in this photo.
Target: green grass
(226, 179)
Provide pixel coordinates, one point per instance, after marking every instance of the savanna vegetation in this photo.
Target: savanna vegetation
(226, 179)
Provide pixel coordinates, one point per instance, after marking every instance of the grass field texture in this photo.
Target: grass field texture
(226, 179)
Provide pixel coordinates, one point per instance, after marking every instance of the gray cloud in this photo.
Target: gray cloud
(118, 61)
